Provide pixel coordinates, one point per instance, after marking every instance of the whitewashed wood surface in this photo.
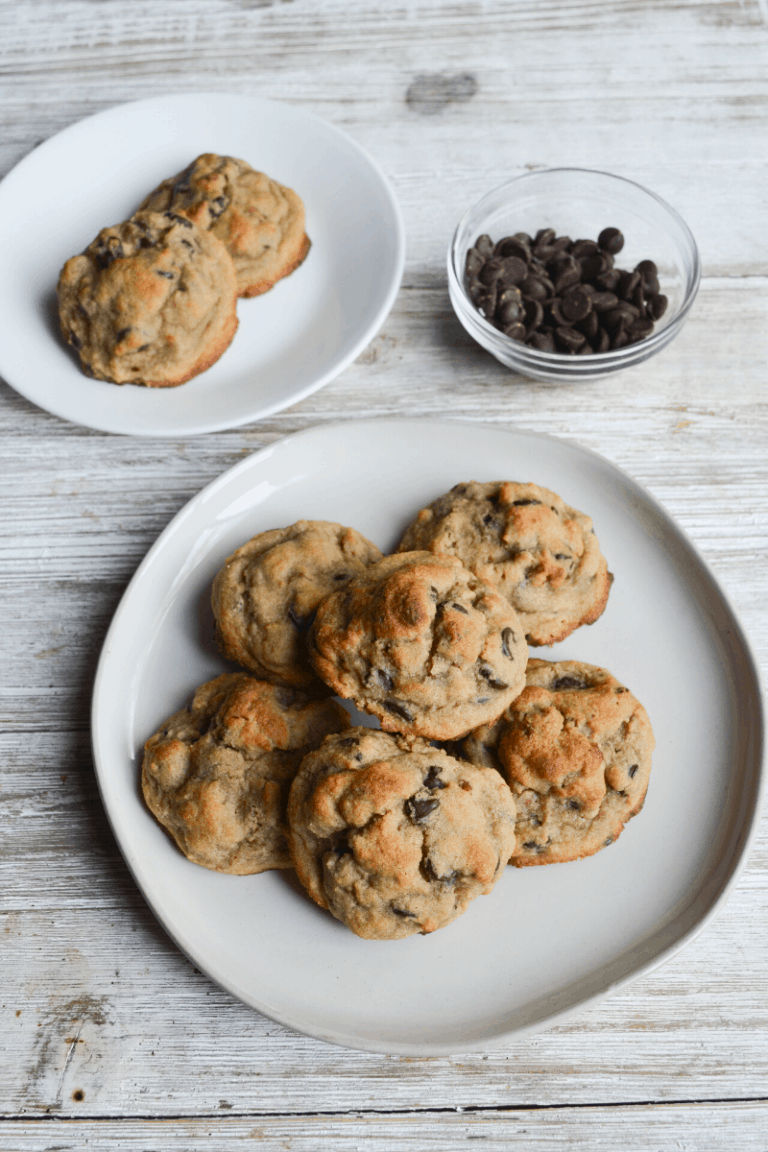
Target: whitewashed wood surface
(111, 1039)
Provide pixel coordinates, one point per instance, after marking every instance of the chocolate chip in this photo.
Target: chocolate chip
(576, 305)
(568, 339)
(301, 623)
(432, 779)
(523, 503)
(403, 912)
(473, 263)
(508, 640)
(398, 709)
(657, 306)
(564, 682)
(460, 607)
(381, 678)
(611, 240)
(167, 275)
(484, 245)
(574, 805)
(513, 246)
(489, 674)
(174, 216)
(417, 809)
(542, 341)
(218, 205)
(632, 770)
(649, 275)
(515, 331)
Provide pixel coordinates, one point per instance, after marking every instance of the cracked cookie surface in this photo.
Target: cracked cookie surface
(151, 301)
(394, 836)
(260, 222)
(540, 553)
(217, 774)
(422, 643)
(575, 748)
(266, 595)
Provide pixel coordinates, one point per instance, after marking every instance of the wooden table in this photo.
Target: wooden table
(111, 1038)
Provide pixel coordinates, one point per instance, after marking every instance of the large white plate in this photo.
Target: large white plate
(291, 341)
(547, 940)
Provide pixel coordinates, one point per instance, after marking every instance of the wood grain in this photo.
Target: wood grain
(112, 1040)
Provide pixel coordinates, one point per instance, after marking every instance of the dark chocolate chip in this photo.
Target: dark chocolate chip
(564, 682)
(488, 674)
(473, 263)
(484, 246)
(460, 608)
(576, 304)
(611, 240)
(542, 341)
(657, 306)
(167, 275)
(574, 805)
(398, 709)
(508, 640)
(569, 339)
(432, 779)
(417, 809)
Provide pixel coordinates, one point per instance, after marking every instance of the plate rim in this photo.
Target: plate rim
(62, 412)
(744, 842)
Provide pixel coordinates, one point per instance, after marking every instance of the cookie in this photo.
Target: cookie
(575, 748)
(217, 774)
(422, 643)
(260, 222)
(151, 301)
(396, 837)
(266, 595)
(541, 554)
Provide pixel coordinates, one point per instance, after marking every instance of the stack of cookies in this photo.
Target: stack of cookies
(483, 756)
(152, 300)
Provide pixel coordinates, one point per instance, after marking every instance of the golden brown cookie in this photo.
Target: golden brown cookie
(575, 748)
(266, 595)
(217, 774)
(151, 301)
(422, 643)
(394, 836)
(260, 222)
(540, 553)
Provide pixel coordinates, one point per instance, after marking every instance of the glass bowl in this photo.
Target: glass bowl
(579, 203)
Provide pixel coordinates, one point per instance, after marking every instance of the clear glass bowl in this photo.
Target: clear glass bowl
(579, 203)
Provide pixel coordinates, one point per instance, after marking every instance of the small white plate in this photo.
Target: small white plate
(548, 940)
(291, 341)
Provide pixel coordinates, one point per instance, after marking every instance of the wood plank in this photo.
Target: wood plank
(635, 1129)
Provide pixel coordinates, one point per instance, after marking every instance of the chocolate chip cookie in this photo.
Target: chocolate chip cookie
(541, 554)
(396, 837)
(151, 301)
(575, 748)
(266, 595)
(217, 774)
(421, 642)
(260, 222)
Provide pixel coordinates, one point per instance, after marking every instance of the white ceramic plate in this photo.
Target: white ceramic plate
(291, 341)
(547, 940)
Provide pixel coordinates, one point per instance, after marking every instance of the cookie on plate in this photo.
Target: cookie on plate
(421, 642)
(151, 301)
(396, 837)
(260, 222)
(266, 595)
(217, 774)
(575, 748)
(540, 553)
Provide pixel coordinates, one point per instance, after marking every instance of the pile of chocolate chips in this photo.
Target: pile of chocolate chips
(561, 295)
